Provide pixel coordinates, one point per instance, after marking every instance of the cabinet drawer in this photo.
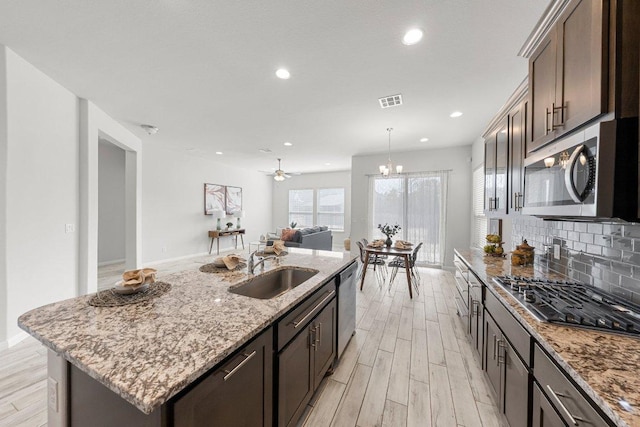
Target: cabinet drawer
(518, 336)
(573, 407)
(300, 316)
(460, 265)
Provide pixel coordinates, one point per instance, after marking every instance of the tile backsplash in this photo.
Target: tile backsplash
(605, 255)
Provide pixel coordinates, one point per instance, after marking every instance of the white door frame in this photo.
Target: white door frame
(95, 124)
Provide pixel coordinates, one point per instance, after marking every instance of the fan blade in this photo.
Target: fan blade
(286, 176)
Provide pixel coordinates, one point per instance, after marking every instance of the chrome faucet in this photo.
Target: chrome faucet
(251, 265)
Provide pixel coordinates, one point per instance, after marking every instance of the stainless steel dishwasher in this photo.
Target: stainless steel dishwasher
(346, 306)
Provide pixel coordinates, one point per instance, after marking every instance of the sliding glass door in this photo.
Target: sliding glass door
(418, 203)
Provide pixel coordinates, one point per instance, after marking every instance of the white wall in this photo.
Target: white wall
(111, 207)
(173, 223)
(3, 196)
(458, 159)
(340, 179)
(42, 192)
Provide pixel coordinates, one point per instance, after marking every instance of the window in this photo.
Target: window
(322, 206)
(417, 202)
(301, 207)
(330, 208)
(479, 220)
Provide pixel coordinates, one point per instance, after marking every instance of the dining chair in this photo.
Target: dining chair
(379, 265)
(398, 262)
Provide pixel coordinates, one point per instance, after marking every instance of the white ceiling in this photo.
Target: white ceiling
(203, 70)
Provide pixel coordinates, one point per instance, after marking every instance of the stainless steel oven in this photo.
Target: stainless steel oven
(589, 174)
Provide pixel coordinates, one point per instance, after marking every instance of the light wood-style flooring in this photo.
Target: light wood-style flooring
(409, 364)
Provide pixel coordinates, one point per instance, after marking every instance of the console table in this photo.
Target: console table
(216, 234)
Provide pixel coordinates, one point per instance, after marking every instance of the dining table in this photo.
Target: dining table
(391, 251)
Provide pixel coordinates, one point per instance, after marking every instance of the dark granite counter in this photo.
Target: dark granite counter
(148, 352)
(605, 365)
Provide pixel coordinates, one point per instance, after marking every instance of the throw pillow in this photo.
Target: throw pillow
(288, 234)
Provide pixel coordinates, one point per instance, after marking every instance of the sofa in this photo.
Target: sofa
(318, 237)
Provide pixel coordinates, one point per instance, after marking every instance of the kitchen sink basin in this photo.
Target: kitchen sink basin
(273, 283)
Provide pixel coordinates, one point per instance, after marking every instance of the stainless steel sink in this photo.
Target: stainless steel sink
(273, 283)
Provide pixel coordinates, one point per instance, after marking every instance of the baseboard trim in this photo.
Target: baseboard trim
(115, 261)
(162, 261)
(16, 339)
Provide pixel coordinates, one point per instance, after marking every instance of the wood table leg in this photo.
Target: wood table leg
(364, 269)
(242, 240)
(210, 246)
(407, 269)
(218, 246)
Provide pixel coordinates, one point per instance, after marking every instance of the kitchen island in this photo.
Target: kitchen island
(603, 366)
(147, 353)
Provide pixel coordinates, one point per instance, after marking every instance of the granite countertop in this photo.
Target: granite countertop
(148, 352)
(605, 365)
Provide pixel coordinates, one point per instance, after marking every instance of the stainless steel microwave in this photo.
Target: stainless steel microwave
(593, 173)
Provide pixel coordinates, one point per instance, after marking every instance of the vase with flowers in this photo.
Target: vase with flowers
(389, 231)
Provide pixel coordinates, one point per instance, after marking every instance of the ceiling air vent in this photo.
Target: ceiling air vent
(264, 150)
(390, 101)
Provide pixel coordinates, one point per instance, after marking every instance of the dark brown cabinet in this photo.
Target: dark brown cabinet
(572, 406)
(246, 377)
(496, 160)
(568, 72)
(507, 374)
(517, 136)
(304, 361)
(476, 311)
(543, 413)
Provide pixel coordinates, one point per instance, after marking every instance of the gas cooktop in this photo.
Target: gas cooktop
(573, 303)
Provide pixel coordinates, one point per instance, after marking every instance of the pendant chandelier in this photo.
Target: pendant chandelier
(385, 170)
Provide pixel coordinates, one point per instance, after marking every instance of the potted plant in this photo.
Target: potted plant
(293, 224)
(229, 225)
(389, 231)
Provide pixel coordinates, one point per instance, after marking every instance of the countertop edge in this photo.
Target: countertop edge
(148, 408)
(575, 376)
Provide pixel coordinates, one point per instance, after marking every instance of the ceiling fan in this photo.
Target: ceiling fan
(279, 174)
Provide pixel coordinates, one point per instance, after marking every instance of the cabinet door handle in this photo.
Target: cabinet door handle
(494, 346)
(474, 304)
(312, 338)
(573, 418)
(230, 373)
(297, 323)
(561, 111)
(546, 121)
(502, 346)
(318, 335)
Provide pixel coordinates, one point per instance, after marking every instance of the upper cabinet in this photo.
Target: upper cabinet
(504, 147)
(517, 144)
(568, 72)
(585, 65)
(496, 155)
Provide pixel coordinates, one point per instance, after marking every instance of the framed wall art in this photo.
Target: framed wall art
(214, 198)
(234, 199)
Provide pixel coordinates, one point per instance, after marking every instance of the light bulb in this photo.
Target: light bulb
(549, 161)
(399, 169)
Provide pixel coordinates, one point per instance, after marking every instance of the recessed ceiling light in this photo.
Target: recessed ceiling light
(219, 153)
(412, 36)
(455, 114)
(288, 144)
(424, 139)
(283, 73)
(327, 164)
